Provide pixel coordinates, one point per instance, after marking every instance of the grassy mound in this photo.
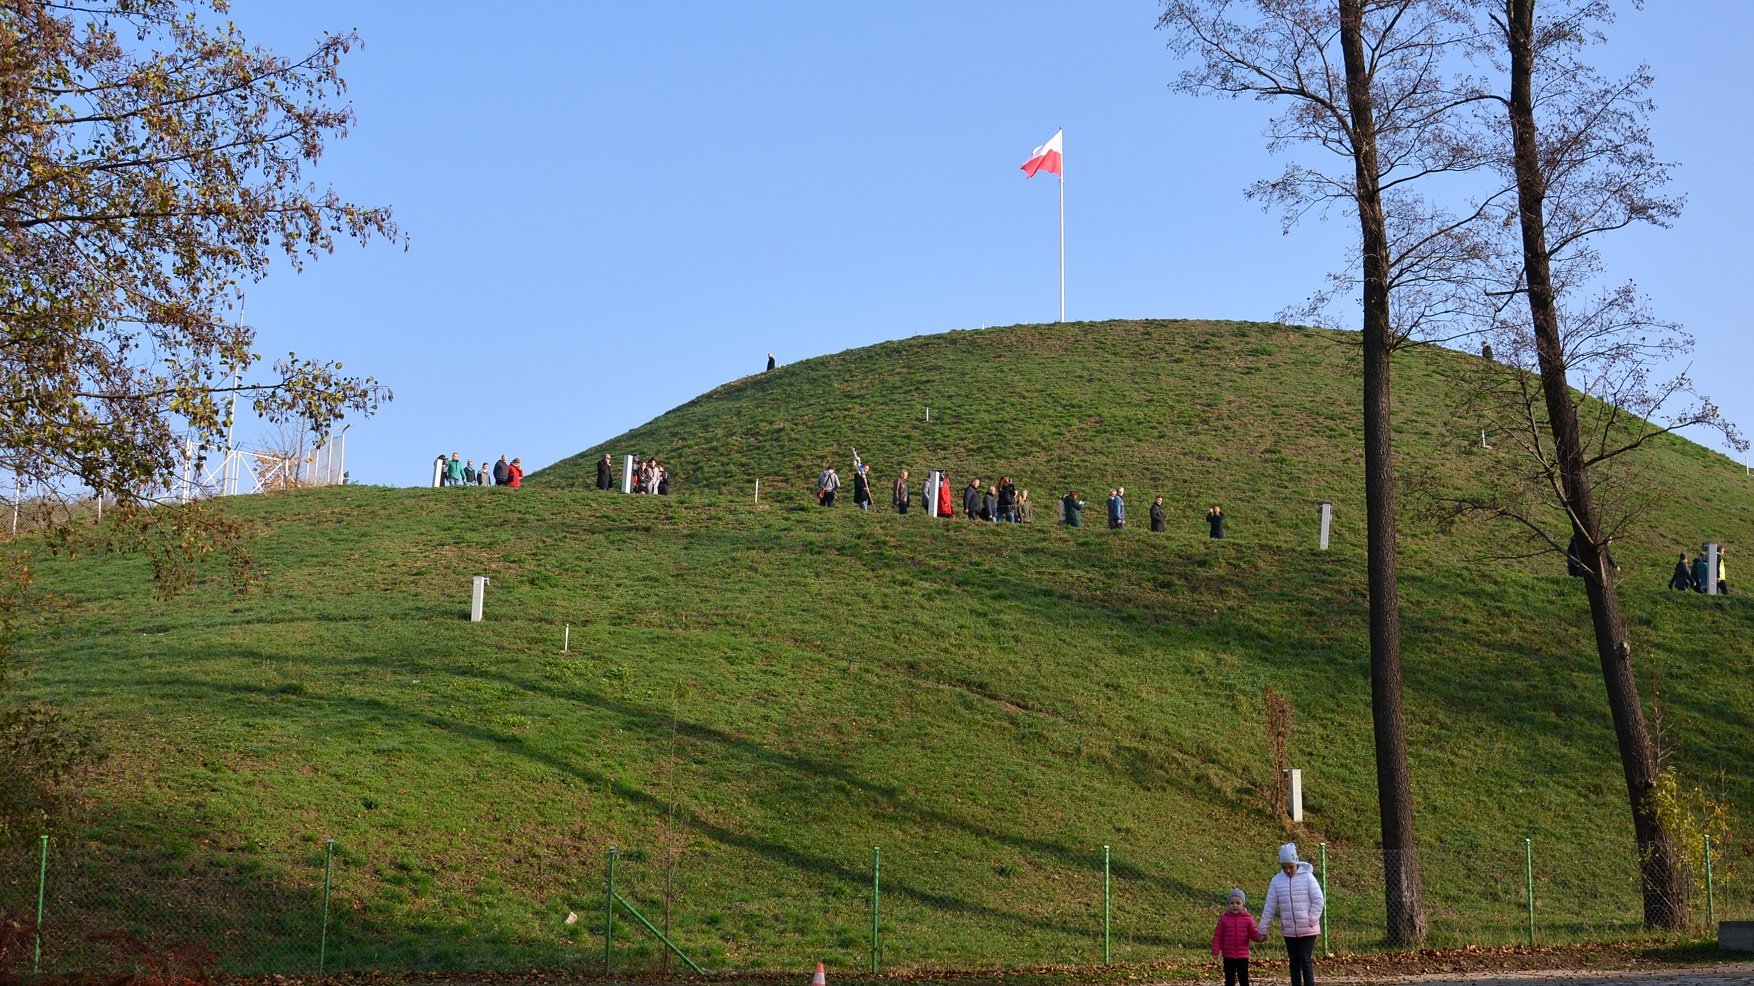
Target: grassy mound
(755, 696)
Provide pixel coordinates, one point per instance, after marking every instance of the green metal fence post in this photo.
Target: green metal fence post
(328, 881)
(36, 958)
(1529, 882)
(609, 913)
(876, 904)
(1325, 949)
(1106, 894)
(1710, 903)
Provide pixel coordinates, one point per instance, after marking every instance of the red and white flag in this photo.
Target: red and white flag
(1046, 157)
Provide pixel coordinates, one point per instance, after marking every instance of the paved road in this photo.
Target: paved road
(1727, 974)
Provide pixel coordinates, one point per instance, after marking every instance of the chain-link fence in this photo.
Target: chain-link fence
(338, 910)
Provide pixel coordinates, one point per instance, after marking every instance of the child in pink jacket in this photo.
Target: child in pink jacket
(1231, 939)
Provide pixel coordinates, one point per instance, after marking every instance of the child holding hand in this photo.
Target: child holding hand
(1231, 939)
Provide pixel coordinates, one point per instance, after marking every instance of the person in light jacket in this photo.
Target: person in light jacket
(1295, 898)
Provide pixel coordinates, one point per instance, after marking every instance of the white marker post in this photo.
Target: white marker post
(566, 639)
(932, 482)
(627, 474)
(1711, 568)
(476, 598)
(1294, 790)
(1327, 511)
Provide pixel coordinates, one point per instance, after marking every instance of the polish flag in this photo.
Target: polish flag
(1046, 157)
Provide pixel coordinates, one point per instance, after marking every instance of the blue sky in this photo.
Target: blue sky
(614, 207)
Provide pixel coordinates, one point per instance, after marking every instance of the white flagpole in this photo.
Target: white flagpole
(1062, 225)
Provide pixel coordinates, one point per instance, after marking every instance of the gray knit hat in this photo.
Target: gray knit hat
(1288, 853)
(1237, 894)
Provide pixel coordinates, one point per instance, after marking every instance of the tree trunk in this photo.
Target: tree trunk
(1402, 892)
(1665, 885)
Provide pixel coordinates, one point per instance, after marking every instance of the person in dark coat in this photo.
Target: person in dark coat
(990, 505)
(1700, 572)
(971, 500)
(901, 497)
(501, 472)
(1682, 580)
(1007, 501)
(1215, 521)
(1157, 525)
(606, 473)
(861, 488)
(1577, 559)
(770, 363)
(1117, 510)
(1074, 509)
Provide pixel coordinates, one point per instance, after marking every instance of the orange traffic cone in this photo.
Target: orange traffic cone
(819, 979)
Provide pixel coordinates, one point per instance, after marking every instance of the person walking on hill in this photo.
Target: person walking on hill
(484, 475)
(1701, 572)
(1236, 928)
(1007, 501)
(1577, 564)
(990, 505)
(469, 472)
(770, 362)
(1215, 522)
(501, 472)
(1295, 898)
(1025, 512)
(1682, 580)
(971, 499)
(606, 473)
(901, 496)
(1117, 509)
(454, 471)
(515, 473)
(946, 501)
(861, 488)
(1157, 522)
(1074, 509)
(827, 484)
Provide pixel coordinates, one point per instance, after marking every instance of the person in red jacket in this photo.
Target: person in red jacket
(946, 505)
(515, 474)
(1236, 928)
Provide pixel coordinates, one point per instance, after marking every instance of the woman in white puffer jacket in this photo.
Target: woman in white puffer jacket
(1296, 897)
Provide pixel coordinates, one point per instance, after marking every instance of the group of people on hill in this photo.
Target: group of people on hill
(1696, 574)
(649, 476)
(456, 471)
(996, 503)
(1294, 896)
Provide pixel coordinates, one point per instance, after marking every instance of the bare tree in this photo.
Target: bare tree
(1370, 82)
(1582, 163)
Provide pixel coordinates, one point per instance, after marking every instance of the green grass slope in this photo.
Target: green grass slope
(758, 695)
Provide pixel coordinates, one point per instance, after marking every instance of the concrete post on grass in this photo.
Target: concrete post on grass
(933, 479)
(627, 474)
(477, 597)
(1294, 794)
(1711, 557)
(1327, 515)
(438, 472)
